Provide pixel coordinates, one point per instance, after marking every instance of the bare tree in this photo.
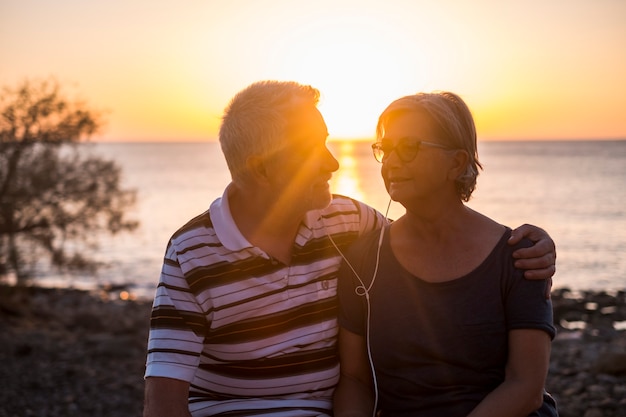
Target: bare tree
(53, 199)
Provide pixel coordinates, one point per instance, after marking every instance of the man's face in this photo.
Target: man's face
(300, 172)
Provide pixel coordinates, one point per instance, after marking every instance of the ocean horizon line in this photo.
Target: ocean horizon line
(339, 139)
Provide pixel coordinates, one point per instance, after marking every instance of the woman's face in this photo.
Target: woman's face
(427, 174)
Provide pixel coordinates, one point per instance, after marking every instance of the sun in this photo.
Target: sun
(356, 64)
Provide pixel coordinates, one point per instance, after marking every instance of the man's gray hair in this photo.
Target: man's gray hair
(256, 120)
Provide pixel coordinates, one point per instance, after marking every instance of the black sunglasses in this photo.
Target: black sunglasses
(406, 149)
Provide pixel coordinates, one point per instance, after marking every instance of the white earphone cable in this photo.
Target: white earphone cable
(363, 291)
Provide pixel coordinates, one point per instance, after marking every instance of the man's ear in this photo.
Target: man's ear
(257, 169)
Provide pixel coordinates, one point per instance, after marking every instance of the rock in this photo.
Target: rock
(612, 363)
(594, 412)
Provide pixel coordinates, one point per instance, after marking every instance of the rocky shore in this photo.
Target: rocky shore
(73, 353)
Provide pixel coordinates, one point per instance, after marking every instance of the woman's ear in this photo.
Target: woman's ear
(460, 160)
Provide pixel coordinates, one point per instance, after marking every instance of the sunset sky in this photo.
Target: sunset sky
(165, 69)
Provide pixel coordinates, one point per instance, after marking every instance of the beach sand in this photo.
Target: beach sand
(74, 353)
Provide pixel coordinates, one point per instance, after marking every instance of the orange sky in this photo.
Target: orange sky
(165, 69)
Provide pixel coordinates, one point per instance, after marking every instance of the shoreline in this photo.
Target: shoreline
(68, 352)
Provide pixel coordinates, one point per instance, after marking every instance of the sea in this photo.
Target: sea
(575, 190)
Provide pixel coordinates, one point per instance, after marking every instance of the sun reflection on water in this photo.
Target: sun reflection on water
(346, 180)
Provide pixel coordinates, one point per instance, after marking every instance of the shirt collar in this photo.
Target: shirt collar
(230, 236)
(225, 228)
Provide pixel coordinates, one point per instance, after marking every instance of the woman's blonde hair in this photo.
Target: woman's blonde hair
(453, 122)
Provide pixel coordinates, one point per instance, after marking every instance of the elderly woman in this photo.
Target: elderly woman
(435, 318)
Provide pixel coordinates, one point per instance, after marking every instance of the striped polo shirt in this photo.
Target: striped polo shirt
(252, 335)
